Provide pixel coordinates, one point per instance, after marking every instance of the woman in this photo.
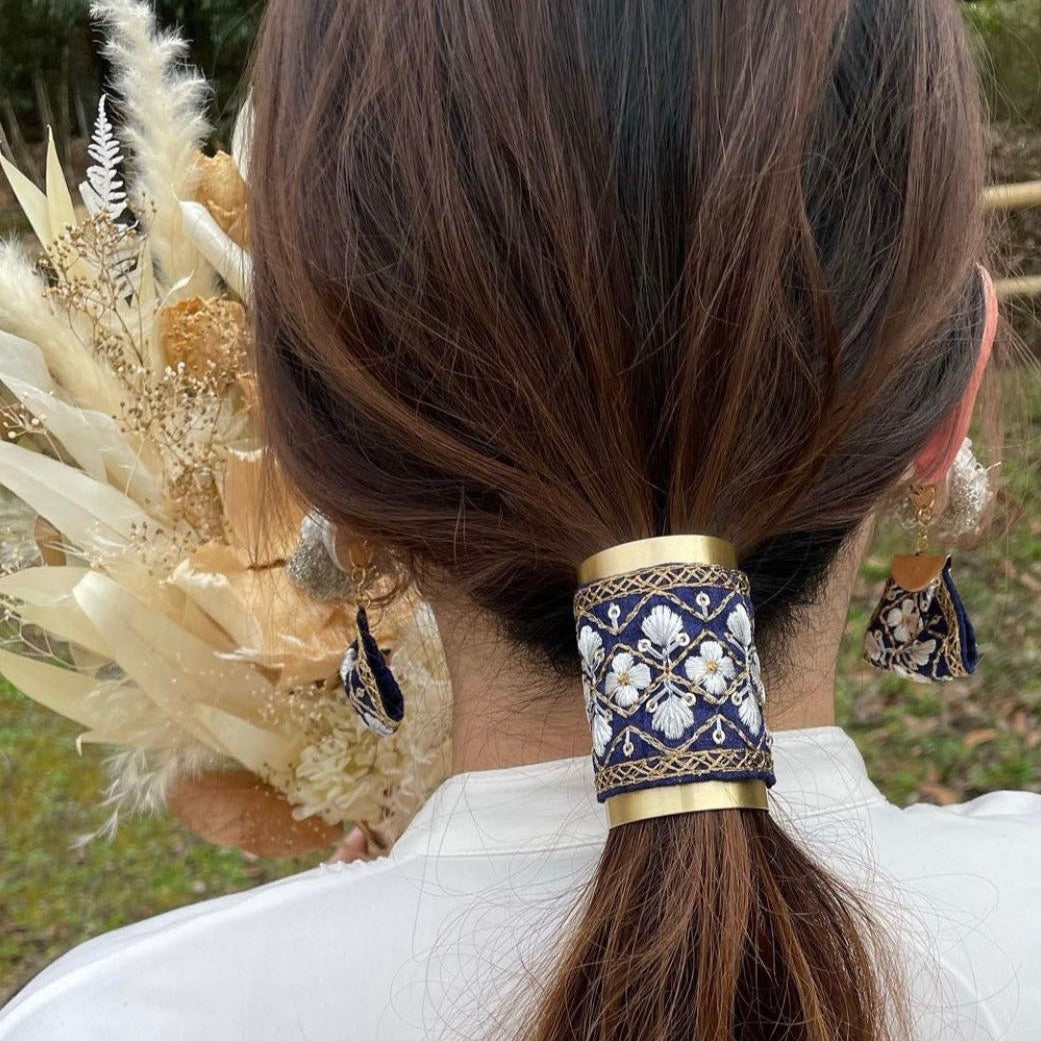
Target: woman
(536, 280)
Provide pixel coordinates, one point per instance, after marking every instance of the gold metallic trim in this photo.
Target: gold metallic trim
(645, 553)
(685, 798)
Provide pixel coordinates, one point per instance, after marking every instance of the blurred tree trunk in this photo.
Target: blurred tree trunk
(82, 123)
(63, 119)
(189, 20)
(19, 150)
(43, 100)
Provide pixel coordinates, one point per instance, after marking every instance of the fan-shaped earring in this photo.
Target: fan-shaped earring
(920, 628)
(369, 684)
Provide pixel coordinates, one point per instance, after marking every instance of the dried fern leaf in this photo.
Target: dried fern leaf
(104, 190)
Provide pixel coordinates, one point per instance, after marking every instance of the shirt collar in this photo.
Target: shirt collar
(552, 805)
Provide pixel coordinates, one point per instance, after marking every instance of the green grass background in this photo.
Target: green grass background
(54, 894)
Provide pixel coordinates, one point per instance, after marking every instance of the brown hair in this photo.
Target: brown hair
(535, 278)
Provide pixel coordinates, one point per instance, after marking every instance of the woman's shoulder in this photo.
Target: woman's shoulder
(962, 886)
(999, 829)
(181, 974)
(991, 843)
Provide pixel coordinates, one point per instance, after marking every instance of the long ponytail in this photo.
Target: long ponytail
(715, 926)
(533, 279)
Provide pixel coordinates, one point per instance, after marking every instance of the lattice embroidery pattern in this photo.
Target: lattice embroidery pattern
(645, 773)
(922, 636)
(672, 678)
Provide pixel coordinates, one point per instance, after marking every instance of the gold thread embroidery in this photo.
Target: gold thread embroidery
(373, 704)
(657, 581)
(679, 764)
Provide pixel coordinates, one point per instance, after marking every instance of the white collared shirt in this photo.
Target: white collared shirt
(452, 931)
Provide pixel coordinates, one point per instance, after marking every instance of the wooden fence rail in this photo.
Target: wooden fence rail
(1012, 196)
(1015, 197)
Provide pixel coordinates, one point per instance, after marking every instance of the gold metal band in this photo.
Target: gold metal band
(645, 553)
(685, 798)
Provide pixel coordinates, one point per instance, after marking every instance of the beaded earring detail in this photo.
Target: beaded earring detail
(920, 629)
(369, 684)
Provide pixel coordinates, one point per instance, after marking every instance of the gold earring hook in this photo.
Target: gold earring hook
(360, 558)
(923, 500)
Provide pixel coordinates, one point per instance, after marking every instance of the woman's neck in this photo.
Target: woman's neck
(508, 711)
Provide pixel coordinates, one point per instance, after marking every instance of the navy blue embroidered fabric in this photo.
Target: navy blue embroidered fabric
(672, 680)
(925, 636)
(369, 684)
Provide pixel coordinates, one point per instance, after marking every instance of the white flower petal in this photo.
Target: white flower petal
(621, 662)
(755, 667)
(589, 646)
(873, 646)
(626, 695)
(920, 653)
(640, 676)
(673, 718)
(695, 668)
(712, 668)
(348, 663)
(714, 683)
(662, 626)
(740, 625)
(711, 651)
(601, 733)
(749, 712)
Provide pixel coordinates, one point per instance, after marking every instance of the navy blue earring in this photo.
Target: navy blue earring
(920, 628)
(369, 684)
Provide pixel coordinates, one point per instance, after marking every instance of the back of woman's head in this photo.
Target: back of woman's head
(533, 279)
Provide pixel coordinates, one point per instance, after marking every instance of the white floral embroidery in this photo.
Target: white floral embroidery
(922, 651)
(909, 673)
(626, 679)
(874, 647)
(712, 668)
(755, 672)
(590, 648)
(673, 717)
(918, 654)
(663, 627)
(750, 714)
(591, 652)
(601, 733)
(740, 626)
(904, 621)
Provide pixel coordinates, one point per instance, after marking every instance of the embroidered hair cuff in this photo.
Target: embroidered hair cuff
(672, 680)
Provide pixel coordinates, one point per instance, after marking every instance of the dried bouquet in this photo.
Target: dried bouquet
(155, 609)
